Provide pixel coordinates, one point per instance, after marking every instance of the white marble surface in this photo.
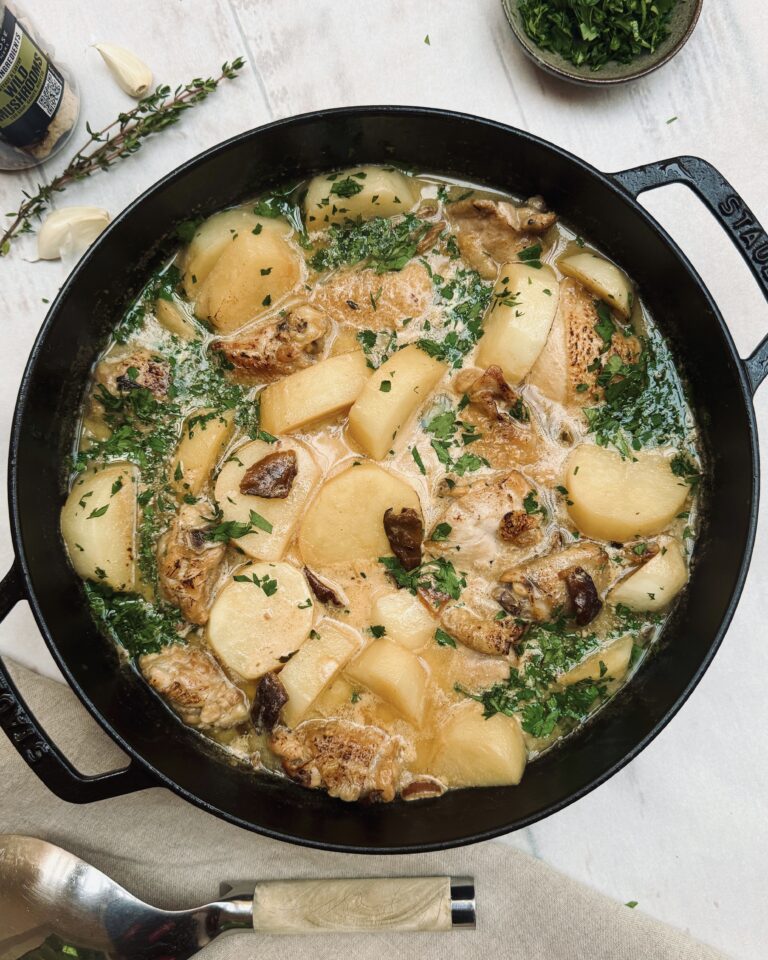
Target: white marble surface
(684, 829)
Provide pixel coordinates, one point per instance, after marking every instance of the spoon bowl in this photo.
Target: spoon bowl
(47, 892)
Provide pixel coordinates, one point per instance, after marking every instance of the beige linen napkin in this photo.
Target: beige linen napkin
(174, 855)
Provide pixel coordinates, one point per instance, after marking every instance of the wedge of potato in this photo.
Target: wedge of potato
(620, 499)
(358, 192)
(656, 584)
(281, 513)
(345, 522)
(214, 236)
(203, 438)
(263, 614)
(405, 619)
(98, 524)
(614, 659)
(252, 274)
(323, 390)
(602, 278)
(309, 673)
(518, 323)
(394, 674)
(391, 397)
(474, 752)
(170, 314)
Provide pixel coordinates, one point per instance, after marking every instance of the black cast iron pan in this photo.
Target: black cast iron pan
(600, 206)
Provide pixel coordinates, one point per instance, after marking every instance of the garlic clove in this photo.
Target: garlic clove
(70, 230)
(132, 75)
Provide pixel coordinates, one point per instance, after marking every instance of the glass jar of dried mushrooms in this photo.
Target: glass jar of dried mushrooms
(39, 104)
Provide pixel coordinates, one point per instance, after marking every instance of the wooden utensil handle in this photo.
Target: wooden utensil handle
(358, 905)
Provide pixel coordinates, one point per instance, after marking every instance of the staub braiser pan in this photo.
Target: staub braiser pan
(602, 207)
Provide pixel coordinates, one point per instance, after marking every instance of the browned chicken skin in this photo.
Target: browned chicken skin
(479, 513)
(281, 347)
(188, 564)
(349, 760)
(147, 370)
(378, 301)
(481, 634)
(562, 370)
(539, 589)
(492, 231)
(498, 412)
(195, 686)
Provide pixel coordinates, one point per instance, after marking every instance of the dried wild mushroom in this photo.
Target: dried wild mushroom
(271, 477)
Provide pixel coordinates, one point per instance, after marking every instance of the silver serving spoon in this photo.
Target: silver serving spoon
(45, 890)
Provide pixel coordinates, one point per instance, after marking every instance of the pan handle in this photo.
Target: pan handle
(730, 211)
(34, 745)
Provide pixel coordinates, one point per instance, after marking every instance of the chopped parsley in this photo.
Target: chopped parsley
(444, 639)
(282, 202)
(433, 576)
(592, 33)
(443, 427)
(643, 401)
(381, 243)
(463, 301)
(266, 583)
(531, 690)
(137, 625)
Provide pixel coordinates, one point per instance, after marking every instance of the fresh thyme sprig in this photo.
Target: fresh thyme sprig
(118, 140)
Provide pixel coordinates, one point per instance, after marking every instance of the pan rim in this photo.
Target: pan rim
(359, 112)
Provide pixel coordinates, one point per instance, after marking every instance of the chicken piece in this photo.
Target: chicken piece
(484, 634)
(480, 522)
(274, 350)
(130, 371)
(188, 564)
(349, 760)
(545, 587)
(562, 371)
(194, 684)
(499, 414)
(376, 301)
(490, 232)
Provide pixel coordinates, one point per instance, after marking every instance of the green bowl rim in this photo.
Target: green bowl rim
(540, 57)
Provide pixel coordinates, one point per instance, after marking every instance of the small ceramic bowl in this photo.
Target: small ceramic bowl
(684, 18)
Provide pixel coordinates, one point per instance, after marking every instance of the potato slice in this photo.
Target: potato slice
(619, 499)
(345, 522)
(214, 236)
(263, 614)
(656, 584)
(394, 674)
(405, 619)
(98, 524)
(253, 273)
(391, 397)
(203, 438)
(474, 752)
(170, 314)
(358, 192)
(322, 390)
(602, 277)
(314, 667)
(614, 658)
(282, 514)
(518, 324)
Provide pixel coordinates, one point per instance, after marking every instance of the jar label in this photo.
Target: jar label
(31, 87)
